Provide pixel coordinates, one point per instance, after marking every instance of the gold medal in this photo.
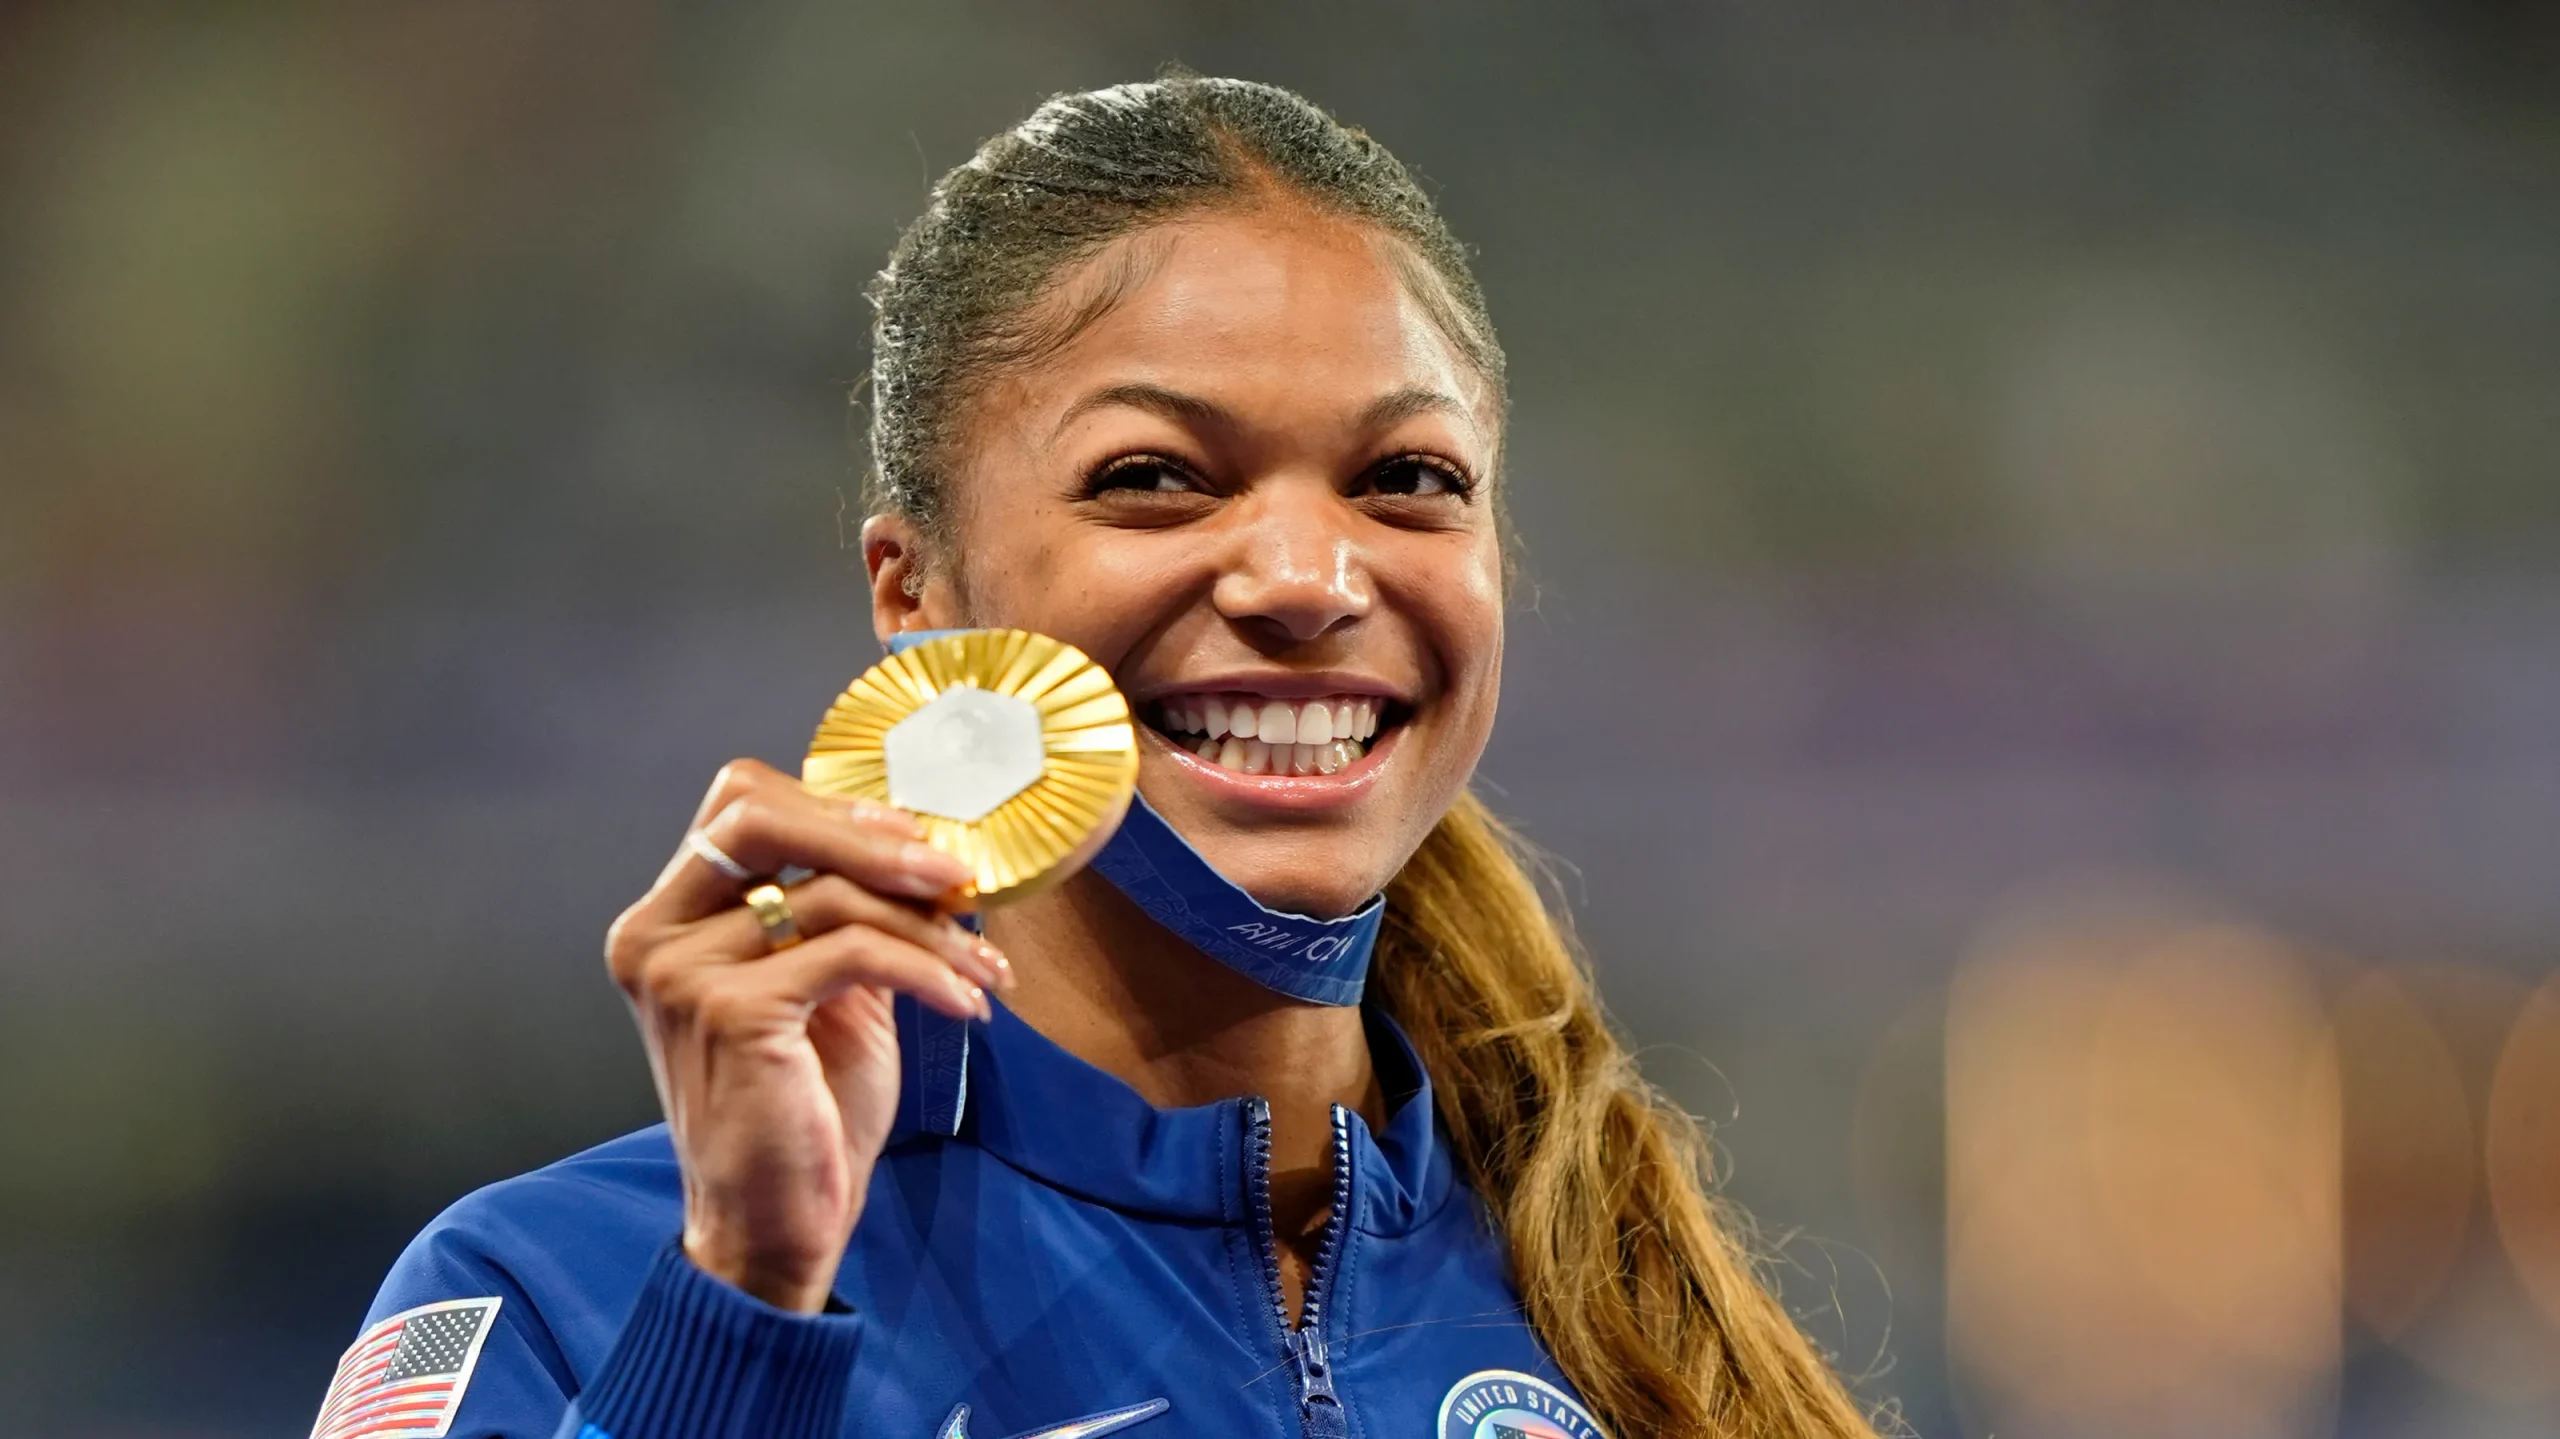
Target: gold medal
(1014, 749)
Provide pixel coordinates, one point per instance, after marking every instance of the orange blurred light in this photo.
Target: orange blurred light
(2409, 1177)
(2476, 1325)
(2142, 1181)
(2523, 1149)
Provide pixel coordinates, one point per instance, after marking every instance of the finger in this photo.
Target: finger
(740, 778)
(810, 974)
(768, 833)
(736, 780)
(750, 778)
(831, 902)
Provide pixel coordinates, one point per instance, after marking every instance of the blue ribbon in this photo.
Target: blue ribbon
(1324, 961)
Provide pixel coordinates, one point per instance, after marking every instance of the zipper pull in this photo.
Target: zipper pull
(1317, 1402)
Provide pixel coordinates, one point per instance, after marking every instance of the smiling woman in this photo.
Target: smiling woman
(1194, 379)
(1259, 477)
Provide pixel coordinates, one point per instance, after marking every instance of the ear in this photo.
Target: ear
(908, 592)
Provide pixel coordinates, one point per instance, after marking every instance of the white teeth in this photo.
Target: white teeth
(1264, 736)
(1253, 756)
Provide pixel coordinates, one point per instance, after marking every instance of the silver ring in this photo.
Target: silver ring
(716, 857)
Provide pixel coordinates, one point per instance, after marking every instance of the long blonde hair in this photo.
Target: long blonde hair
(1631, 1275)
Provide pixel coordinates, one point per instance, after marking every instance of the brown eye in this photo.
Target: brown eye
(1142, 474)
(1418, 475)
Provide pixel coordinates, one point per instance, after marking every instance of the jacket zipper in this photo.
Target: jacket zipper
(1320, 1411)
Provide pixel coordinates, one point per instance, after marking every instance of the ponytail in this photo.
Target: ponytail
(1629, 1272)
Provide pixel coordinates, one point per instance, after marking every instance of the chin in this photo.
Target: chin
(1311, 881)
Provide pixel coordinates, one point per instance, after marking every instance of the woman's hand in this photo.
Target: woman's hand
(778, 1070)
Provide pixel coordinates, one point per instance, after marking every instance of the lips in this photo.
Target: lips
(1261, 734)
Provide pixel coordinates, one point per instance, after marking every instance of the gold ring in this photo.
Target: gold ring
(772, 910)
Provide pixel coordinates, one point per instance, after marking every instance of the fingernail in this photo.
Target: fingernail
(868, 811)
(965, 954)
(978, 1001)
(918, 856)
(928, 873)
(995, 960)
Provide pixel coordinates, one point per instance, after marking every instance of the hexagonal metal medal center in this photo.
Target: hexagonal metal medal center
(964, 753)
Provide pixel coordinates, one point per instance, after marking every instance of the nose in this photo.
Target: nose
(1296, 570)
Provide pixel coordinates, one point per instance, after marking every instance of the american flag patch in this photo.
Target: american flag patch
(403, 1378)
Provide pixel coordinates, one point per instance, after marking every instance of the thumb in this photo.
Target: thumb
(855, 1035)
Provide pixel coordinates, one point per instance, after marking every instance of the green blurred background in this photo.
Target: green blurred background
(2054, 506)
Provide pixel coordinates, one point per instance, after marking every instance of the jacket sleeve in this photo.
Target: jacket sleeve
(699, 1357)
(578, 1356)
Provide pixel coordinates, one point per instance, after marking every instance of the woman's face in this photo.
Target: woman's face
(1258, 489)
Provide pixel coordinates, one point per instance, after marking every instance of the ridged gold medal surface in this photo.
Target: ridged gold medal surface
(1021, 782)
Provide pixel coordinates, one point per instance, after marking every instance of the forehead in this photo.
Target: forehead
(1276, 304)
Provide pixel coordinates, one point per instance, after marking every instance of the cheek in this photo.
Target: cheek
(1463, 609)
(1103, 593)
(1455, 603)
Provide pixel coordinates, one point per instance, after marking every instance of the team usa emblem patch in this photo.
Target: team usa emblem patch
(404, 1377)
(1506, 1404)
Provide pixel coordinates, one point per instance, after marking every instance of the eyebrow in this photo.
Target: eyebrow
(1385, 411)
(1404, 404)
(1155, 399)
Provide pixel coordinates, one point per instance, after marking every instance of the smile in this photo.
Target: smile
(1256, 734)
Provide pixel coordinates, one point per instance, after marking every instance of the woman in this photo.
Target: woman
(1195, 379)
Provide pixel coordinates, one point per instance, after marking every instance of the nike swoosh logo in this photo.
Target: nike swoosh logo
(1110, 1421)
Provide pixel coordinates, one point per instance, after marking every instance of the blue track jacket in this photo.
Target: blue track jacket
(1043, 1255)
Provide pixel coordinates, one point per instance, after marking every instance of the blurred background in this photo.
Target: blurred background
(2042, 655)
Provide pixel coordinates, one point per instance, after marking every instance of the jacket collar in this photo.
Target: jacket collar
(1004, 1087)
